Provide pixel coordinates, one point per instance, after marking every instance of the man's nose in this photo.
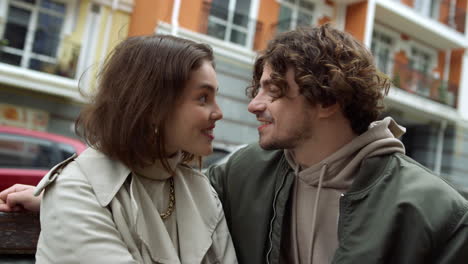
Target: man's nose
(258, 104)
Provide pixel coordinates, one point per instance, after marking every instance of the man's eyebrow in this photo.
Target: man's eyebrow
(209, 87)
(266, 82)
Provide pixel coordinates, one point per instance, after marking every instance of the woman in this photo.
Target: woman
(131, 198)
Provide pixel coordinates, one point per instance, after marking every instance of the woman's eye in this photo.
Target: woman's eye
(203, 99)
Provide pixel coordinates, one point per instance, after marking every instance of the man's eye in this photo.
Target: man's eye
(274, 90)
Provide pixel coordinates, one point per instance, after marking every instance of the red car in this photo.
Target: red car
(26, 155)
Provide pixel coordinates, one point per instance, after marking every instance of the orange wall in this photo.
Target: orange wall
(409, 2)
(356, 20)
(268, 18)
(440, 64)
(194, 15)
(147, 14)
(456, 66)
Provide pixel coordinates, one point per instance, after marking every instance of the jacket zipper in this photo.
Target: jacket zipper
(273, 218)
(343, 207)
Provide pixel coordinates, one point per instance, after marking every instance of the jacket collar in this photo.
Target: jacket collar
(105, 175)
(197, 211)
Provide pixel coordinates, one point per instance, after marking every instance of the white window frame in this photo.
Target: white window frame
(295, 12)
(393, 47)
(229, 23)
(26, 53)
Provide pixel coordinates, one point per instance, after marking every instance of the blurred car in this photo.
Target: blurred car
(26, 155)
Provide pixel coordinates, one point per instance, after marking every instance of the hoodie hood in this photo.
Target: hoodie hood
(380, 139)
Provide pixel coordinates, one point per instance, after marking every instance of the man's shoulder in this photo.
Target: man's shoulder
(419, 184)
(254, 150)
(254, 154)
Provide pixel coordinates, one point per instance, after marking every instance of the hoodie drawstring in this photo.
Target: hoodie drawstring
(323, 170)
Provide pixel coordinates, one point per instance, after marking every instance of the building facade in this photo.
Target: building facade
(49, 50)
(419, 44)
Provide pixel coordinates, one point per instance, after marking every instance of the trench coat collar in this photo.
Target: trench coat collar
(197, 211)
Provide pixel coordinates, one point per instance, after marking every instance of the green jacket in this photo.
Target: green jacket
(396, 211)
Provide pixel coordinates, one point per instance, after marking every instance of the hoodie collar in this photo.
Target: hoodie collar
(379, 139)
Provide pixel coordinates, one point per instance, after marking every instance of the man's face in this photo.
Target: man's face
(287, 121)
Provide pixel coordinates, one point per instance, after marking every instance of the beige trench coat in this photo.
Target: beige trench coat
(88, 217)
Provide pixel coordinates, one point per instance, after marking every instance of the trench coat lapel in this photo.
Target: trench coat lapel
(196, 220)
(150, 228)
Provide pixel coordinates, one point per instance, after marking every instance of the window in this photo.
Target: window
(230, 20)
(32, 30)
(381, 47)
(420, 63)
(17, 151)
(429, 8)
(295, 13)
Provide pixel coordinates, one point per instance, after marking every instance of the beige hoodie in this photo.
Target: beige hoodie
(317, 191)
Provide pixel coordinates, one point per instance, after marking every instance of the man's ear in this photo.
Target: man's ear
(328, 111)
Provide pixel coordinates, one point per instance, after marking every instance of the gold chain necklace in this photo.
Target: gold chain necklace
(171, 206)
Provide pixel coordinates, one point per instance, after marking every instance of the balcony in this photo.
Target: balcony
(424, 84)
(451, 15)
(39, 51)
(228, 25)
(454, 17)
(441, 30)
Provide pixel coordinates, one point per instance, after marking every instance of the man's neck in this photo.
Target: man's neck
(328, 138)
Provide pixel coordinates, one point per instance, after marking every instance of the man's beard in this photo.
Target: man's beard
(291, 141)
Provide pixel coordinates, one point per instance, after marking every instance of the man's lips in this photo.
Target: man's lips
(263, 125)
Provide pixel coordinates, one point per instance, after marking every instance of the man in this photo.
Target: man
(327, 184)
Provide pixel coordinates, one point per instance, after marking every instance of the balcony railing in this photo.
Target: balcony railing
(228, 25)
(46, 53)
(446, 13)
(424, 84)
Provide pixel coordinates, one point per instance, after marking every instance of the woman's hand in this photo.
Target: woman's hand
(19, 197)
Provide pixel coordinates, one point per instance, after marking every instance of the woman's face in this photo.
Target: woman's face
(190, 126)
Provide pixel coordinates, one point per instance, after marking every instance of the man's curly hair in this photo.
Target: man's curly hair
(330, 66)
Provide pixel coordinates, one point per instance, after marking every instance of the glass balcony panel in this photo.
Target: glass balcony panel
(16, 27)
(408, 77)
(53, 5)
(10, 58)
(238, 37)
(216, 30)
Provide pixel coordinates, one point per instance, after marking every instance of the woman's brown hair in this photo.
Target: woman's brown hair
(139, 85)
